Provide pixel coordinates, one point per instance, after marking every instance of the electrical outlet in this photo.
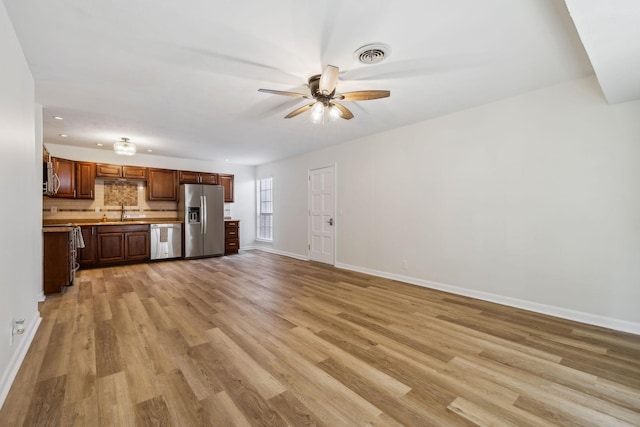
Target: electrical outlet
(54, 209)
(97, 210)
(404, 264)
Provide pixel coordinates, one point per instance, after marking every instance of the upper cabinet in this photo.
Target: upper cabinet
(77, 179)
(162, 185)
(66, 171)
(226, 181)
(85, 180)
(104, 170)
(187, 177)
(134, 172)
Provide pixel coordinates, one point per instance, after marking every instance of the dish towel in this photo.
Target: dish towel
(164, 234)
(77, 236)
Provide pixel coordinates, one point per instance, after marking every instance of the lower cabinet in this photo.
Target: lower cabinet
(87, 255)
(231, 237)
(122, 243)
(58, 265)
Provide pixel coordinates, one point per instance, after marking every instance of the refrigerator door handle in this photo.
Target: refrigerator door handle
(204, 216)
(201, 214)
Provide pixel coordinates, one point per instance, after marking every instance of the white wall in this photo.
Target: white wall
(20, 233)
(243, 208)
(532, 201)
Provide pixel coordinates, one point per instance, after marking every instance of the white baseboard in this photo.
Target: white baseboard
(277, 252)
(578, 316)
(23, 343)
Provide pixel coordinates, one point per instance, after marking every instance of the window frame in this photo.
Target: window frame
(264, 209)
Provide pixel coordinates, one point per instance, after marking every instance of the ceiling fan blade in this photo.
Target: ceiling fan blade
(363, 95)
(346, 114)
(299, 111)
(329, 79)
(285, 93)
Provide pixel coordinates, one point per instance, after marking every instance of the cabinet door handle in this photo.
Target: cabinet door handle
(91, 194)
(74, 194)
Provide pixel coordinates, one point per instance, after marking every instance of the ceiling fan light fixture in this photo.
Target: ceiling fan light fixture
(334, 113)
(328, 80)
(317, 112)
(124, 147)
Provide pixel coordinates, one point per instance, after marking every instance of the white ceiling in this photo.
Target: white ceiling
(181, 78)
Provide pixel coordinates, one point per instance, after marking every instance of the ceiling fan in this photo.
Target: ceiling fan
(323, 91)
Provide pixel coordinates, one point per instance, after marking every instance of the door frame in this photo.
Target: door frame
(335, 208)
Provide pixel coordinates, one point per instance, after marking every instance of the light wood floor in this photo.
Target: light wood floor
(260, 339)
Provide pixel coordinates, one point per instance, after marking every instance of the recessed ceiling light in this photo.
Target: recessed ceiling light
(226, 160)
(58, 118)
(99, 145)
(149, 151)
(64, 135)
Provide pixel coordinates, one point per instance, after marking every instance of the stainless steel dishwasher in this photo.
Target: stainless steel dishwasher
(166, 241)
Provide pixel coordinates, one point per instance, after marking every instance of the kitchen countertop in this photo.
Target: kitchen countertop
(89, 222)
(58, 229)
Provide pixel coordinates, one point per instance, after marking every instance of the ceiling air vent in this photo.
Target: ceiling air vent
(372, 53)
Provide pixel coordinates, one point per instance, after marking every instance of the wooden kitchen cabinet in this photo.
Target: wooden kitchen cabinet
(87, 256)
(116, 171)
(231, 237)
(57, 261)
(188, 177)
(134, 172)
(122, 243)
(77, 179)
(110, 247)
(104, 170)
(226, 181)
(162, 185)
(137, 245)
(85, 180)
(209, 178)
(66, 171)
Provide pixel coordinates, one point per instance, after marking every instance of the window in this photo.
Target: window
(265, 209)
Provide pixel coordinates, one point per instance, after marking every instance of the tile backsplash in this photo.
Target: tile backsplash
(109, 198)
(120, 193)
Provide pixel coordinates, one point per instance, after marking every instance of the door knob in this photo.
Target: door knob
(330, 222)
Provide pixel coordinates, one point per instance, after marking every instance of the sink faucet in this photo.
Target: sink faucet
(122, 215)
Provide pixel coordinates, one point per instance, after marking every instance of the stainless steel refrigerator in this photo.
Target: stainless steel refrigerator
(201, 206)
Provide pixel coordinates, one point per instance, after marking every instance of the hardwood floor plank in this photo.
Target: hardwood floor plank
(56, 357)
(264, 383)
(153, 412)
(183, 406)
(115, 407)
(219, 410)
(108, 358)
(355, 365)
(261, 339)
(559, 403)
(488, 415)
(241, 390)
(293, 411)
(47, 403)
(80, 413)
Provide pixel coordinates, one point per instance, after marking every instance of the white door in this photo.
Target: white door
(322, 215)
